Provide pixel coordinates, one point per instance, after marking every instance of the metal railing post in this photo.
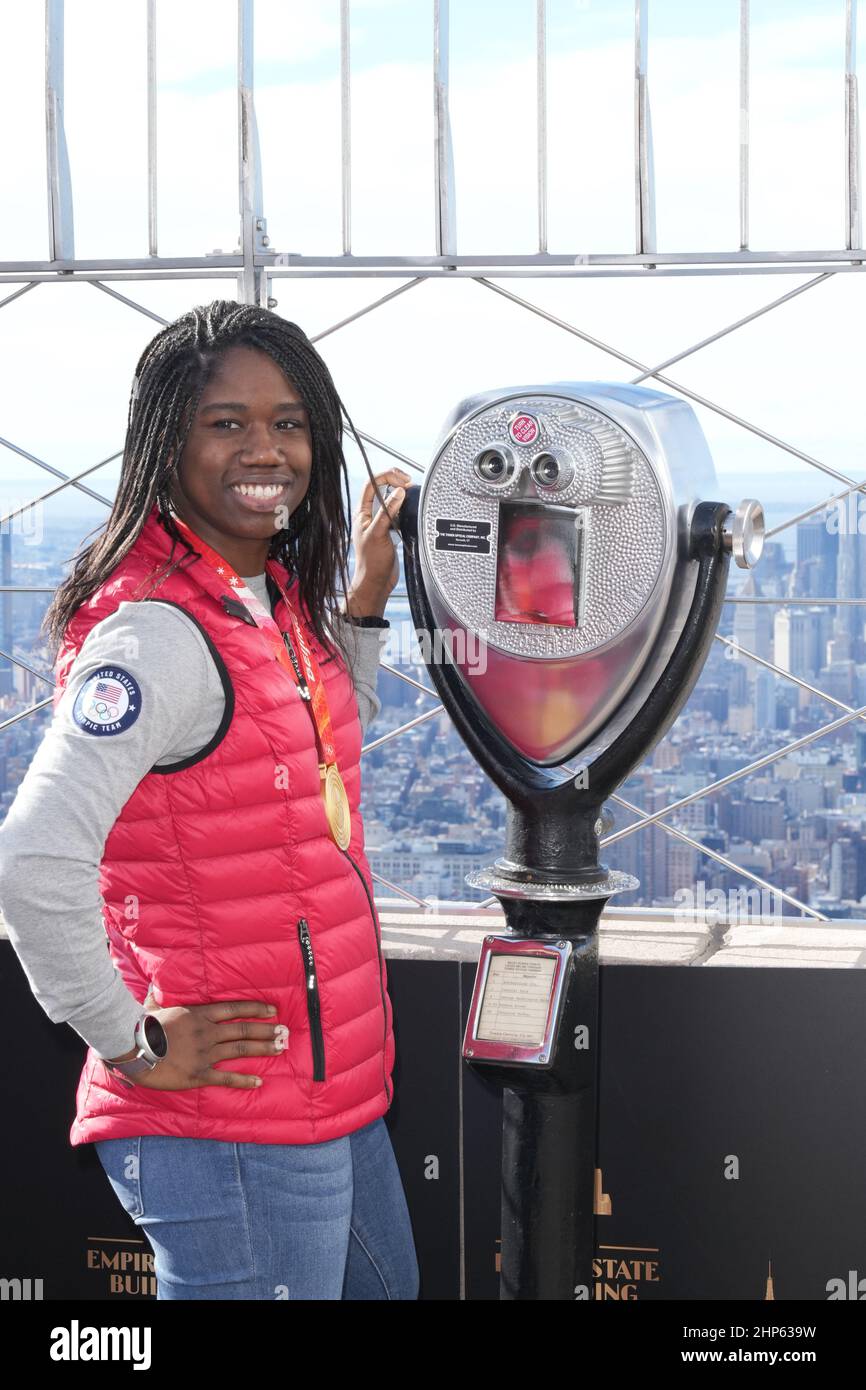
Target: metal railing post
(252, 286)
(445, 229)
(61, 236)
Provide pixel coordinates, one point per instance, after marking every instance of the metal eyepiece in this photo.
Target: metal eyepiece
(495, 464)
(545, 470)
(551, 469)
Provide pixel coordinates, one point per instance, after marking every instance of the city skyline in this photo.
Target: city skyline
(431, 816)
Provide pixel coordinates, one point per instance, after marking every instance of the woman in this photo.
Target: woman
(196, 799)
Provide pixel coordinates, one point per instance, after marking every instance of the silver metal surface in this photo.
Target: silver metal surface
(252, 283)
(525, 1053)
(640, 463)
(152, 244)
(506, 887)
(853, 218)
(445, 231)
(744, 124)
(61, 237)
(541, 117)
(346, 125)
(277, 266)
(743, 533)
(644, 175)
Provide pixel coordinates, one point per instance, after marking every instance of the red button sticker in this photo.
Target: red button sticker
(524, 429)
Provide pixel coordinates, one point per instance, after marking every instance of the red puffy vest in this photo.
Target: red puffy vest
(220, 880)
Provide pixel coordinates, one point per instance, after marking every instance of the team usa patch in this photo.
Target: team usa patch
(108, 701)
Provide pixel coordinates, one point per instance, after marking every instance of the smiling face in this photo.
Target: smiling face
(249, 451)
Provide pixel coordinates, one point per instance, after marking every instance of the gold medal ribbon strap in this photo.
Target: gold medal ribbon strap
(333, 789)
(310, 682)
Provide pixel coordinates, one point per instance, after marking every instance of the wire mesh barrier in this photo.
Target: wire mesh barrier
(255, 267)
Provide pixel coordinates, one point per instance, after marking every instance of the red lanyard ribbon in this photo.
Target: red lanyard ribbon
(309, 680)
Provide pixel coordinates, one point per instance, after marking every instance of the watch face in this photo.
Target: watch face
(155, 1035)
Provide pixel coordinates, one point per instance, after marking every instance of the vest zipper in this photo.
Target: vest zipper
(388, 1094)
(305, 694)
(313, 1003)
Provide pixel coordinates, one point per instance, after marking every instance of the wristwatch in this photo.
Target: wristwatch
(151, 1040)
(366, 622)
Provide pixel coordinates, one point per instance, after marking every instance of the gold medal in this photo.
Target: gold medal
(336, 804)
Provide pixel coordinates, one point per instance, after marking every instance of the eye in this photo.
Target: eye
(217, 424)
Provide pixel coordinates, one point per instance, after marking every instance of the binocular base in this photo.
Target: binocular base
(508, 880)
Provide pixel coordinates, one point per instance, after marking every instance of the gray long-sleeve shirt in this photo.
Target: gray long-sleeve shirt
(53, 838)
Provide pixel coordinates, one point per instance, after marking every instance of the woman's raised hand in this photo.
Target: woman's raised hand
(201, 1034)
(377, 567)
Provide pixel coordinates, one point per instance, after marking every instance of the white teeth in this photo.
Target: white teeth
(259, 489)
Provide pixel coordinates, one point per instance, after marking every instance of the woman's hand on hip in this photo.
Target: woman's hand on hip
(201, 1034)
(377, 567)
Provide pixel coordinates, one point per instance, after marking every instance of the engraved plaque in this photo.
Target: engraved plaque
(516, 1001)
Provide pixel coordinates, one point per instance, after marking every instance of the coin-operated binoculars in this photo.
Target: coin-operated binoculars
(565, 530)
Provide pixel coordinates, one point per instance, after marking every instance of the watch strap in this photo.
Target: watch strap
(366, 622)
(146, 1059)
(136, 1066)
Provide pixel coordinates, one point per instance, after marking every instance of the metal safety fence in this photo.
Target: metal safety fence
(257, 267)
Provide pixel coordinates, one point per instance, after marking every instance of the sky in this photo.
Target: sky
(68, 351)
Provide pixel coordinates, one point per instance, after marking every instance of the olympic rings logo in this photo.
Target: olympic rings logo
(105, 712)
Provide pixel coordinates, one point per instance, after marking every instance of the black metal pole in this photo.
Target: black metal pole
(549, 1155)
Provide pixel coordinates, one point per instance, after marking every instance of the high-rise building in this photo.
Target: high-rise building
(848, 868)
(848, 623)
(798, 641)
(765, 699)
(817, 551)
(7, 669)
(738, 679)
(764, 818)
(775, 569)
(753, 624)
(680, 867)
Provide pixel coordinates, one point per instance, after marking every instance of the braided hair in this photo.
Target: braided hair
(170, 377)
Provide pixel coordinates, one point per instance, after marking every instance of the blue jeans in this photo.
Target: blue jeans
(275, 1221)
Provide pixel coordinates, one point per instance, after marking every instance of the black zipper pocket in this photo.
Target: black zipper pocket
(311, 989)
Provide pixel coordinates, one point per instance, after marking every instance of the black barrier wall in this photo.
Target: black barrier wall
(732, 1146)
